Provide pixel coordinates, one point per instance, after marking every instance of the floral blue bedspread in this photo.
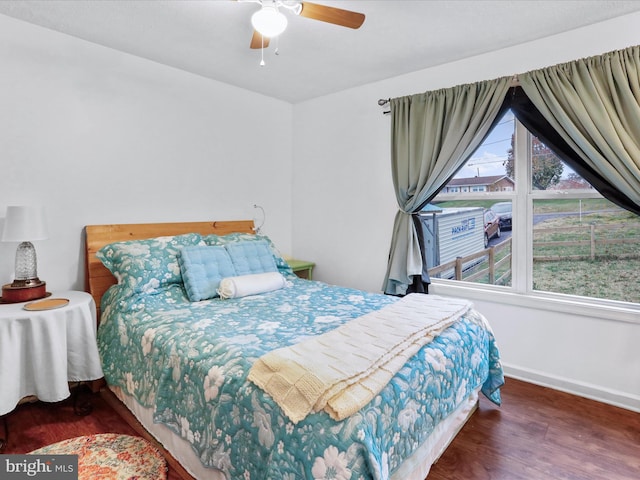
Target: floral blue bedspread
(189, 362)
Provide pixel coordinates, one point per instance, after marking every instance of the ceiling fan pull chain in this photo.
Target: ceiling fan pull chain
(262, 52)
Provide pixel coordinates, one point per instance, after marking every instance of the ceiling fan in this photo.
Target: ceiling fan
(269, 21)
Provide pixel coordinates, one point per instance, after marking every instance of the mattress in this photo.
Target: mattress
(416, 467)
(182, 367)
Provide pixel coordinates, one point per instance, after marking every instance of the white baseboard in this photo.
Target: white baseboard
(582, 389)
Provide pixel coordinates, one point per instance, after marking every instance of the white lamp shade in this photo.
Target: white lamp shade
(268, 21)
(24, 224)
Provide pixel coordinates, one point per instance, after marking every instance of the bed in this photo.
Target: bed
(180, 359)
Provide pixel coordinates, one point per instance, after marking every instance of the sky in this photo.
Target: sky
(491, 156)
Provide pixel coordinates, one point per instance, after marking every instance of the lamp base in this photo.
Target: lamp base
(23, 291)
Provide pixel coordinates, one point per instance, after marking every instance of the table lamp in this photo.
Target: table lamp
(24, 224)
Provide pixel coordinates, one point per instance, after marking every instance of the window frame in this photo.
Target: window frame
(522, 198)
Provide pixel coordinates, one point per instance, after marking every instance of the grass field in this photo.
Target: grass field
(610, 279)
(612, 274)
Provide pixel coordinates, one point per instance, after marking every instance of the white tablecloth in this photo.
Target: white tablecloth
(40, 352)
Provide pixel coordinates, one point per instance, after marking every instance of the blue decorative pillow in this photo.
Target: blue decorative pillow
(202, 269)
(146, 265)
(251, 257)
(283, 266)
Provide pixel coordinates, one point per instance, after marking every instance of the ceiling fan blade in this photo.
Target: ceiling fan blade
(256, 41)
(337, 16)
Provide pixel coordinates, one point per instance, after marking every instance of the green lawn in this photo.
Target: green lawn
(613, 274)
(611, 279)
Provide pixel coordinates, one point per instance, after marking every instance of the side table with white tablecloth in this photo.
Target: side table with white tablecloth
(42, 351)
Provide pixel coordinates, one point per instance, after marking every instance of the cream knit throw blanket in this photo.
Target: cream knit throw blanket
(342, 370)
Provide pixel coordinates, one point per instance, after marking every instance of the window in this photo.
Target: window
(554, 234)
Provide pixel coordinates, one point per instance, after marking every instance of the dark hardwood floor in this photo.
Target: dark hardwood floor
(538, 433)
(34, 425)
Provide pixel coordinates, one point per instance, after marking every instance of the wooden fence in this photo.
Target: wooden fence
(494, 263)
(596, 237)
(484, 263)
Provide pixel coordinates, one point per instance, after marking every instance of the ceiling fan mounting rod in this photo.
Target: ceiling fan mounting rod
(294, 6)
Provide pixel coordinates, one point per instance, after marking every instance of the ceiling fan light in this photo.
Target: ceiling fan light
(269, 22)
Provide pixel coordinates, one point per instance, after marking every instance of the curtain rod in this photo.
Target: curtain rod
(515, 82)
(382, 102)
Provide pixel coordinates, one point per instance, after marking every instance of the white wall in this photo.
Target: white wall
(99, 136)
(344, 207)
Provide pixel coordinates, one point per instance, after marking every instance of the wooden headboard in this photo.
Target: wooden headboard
(98, 279)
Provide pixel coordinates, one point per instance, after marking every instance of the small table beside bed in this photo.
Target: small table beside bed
(229, 359)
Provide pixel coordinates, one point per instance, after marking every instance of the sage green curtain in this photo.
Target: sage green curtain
(594, 105)
(432, 135)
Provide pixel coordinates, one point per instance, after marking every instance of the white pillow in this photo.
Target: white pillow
(243, 285)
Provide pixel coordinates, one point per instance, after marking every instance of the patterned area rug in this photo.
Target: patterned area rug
(111, 456)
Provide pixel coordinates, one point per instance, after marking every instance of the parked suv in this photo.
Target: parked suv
(503, 211)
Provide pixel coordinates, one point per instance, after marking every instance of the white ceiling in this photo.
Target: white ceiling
(211, 37)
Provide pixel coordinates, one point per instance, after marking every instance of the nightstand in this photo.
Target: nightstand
(301, 268)
(41, 351)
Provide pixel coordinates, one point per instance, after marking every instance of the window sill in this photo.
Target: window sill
(600, 309)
